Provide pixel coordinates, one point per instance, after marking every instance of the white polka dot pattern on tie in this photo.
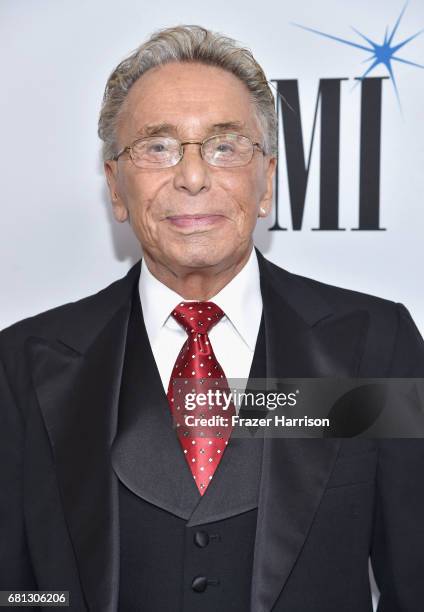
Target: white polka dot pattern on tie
(196, 364)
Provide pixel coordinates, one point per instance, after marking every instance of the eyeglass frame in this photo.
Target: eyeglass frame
(181, 145)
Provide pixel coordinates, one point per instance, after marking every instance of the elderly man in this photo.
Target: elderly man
(101, 494)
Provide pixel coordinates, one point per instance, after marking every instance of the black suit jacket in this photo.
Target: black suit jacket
(324, 505)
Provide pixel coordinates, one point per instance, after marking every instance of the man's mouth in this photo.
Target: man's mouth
(193, 221)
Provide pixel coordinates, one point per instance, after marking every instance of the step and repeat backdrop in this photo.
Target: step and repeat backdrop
(348, 78)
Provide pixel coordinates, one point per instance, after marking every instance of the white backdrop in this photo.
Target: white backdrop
(58, 238)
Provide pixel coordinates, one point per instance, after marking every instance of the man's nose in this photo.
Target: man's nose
(192, 172)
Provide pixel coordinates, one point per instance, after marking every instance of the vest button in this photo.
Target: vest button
(199, 584)
(201, 539)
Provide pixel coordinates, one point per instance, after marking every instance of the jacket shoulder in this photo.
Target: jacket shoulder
(392, 337)
(53, 321)
(339, 299)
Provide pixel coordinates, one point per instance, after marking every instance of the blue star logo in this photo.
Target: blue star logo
(384, 53)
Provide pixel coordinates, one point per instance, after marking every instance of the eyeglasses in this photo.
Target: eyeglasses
(222, 150)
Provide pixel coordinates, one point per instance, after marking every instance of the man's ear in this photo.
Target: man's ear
(119, 209)
(266, 201)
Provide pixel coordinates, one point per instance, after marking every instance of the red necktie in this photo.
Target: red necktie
(197, 370)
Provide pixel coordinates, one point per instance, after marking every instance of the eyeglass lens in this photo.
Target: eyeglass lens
(220, 150)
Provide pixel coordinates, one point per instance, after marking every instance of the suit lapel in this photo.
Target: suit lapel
(77, 379)
(303, 340)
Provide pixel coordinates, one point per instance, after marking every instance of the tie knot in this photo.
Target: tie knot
(197, 316)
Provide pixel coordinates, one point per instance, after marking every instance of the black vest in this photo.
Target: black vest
(179, 551)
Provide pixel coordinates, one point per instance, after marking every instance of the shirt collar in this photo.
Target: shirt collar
(157, 302)
(240, 300)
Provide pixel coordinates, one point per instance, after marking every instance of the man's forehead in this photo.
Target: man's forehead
(187, 99)
(165, 127)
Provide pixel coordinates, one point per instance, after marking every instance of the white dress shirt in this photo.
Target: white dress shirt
(233, 338)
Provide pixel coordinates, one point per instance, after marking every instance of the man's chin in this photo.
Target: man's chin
(199, 256)
(198, 262)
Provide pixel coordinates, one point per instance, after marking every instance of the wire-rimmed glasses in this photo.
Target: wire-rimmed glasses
(222, 150)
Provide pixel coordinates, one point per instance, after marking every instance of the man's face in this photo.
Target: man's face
(192, 215)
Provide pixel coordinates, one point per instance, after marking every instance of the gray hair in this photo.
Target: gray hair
(187, 43)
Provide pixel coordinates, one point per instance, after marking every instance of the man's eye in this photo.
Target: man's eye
(225, 147)
(157, 148)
